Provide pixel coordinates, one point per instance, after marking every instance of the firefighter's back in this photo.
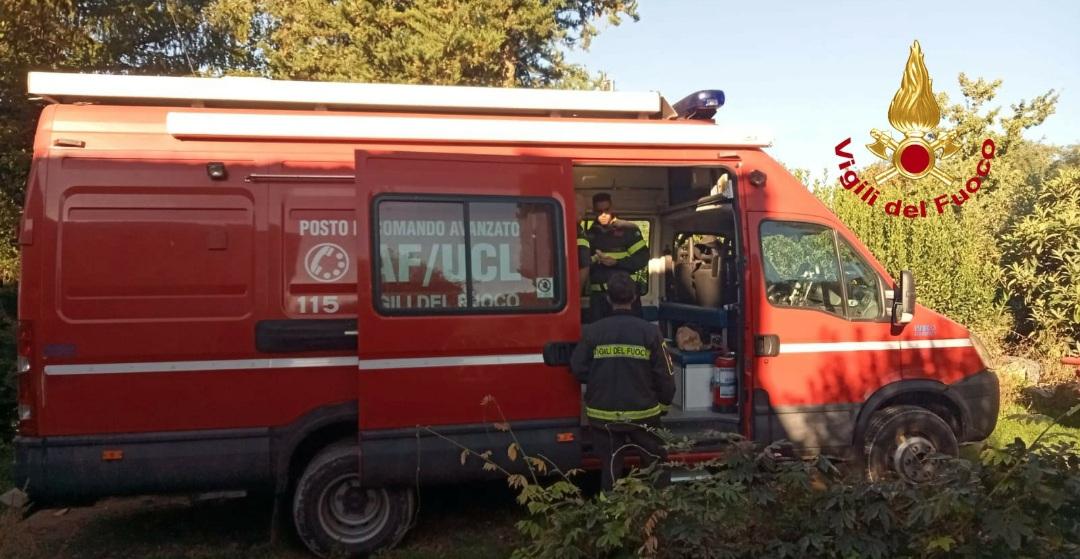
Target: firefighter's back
(620, 378)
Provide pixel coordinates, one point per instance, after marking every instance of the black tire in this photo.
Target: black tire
(900, 438)
(333, 514)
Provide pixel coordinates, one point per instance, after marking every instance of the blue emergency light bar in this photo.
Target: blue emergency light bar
(700, 105)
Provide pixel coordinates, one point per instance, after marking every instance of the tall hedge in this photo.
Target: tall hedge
(1041, 254)
(956, 256)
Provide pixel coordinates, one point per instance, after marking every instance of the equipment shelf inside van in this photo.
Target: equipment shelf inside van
(691, 277)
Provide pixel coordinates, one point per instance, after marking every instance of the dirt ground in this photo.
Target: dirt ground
(473, 521)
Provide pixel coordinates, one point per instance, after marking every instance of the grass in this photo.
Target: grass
(1017, 421)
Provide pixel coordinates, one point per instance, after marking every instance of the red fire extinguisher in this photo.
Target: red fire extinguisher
(724, 385)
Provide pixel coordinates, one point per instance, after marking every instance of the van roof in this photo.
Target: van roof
(229, 108)
(262, 92)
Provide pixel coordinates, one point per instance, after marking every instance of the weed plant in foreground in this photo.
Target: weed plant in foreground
(1017, 500)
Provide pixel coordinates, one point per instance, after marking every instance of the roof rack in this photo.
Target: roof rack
(262, 92)
(186, 124)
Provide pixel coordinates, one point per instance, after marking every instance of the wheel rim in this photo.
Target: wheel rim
(911, 459)
(350, 513)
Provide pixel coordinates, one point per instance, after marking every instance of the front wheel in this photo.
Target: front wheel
(334, 513)
(901, 440)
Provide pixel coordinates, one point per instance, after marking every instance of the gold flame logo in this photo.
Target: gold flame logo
(913, 108)
(914, 111)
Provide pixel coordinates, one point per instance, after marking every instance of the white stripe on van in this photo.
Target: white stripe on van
(828, 347)
(194, 366)
(432, 362)
(936, 344)
(291, 363)
(463, 361)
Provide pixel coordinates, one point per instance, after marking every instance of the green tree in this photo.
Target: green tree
(498, 42)
(122, 36)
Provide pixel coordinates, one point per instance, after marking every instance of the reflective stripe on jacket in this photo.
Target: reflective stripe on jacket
(584, 251)
(622, 360)
(622, 241)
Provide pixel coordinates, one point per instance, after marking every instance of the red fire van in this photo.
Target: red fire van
(238, 283)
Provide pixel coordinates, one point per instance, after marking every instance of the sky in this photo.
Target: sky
(815, 73)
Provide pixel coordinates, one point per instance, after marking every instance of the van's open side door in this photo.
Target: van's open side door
(464, 273)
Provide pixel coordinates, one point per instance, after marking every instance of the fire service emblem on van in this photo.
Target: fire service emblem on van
(915, 113)
(326, 262)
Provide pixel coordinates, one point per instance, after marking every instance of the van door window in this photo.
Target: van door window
(862, 285)
(471, 255)
(801, 267)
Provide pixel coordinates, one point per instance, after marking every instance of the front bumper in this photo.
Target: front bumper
(980, 398)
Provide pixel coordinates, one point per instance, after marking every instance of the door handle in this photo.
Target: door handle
(352, 333)
(557, 354)
(766, 345)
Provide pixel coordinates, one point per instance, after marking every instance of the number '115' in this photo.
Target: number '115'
(316, 304)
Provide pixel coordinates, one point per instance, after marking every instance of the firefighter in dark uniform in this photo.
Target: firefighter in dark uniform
(629, 382)
(616, 245)
(584, 256)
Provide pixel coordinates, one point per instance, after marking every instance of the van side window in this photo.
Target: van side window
(862, 284)
(800, 266)
(469, 254)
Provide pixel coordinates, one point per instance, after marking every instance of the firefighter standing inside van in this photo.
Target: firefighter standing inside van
(617, 245)
(584, 252)
(629, 381)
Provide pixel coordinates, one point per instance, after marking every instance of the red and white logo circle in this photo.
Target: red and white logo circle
(326, 262)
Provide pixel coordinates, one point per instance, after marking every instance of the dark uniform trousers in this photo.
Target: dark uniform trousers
(613, 440)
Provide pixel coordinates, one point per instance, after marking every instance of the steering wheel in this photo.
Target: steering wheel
(806, 276)
(860, 296)
(777, 293)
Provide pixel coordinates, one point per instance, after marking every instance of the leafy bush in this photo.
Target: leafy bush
(957, 256)
(1042, 264)
(1016, 501)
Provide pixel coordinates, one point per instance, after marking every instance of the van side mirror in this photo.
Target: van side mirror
(903, 307)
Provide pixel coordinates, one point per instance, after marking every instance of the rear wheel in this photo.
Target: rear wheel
(901, 440)
(335, 514)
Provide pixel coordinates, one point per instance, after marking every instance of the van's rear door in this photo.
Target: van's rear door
(463, 275)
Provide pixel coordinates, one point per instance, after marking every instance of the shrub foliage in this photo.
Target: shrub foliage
(1013, 502)
(1042, 262)
(957, 256)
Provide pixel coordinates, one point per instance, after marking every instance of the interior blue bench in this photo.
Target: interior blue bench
(679, 312)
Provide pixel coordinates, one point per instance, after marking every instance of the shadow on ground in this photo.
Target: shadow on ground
(1054, 401)
(475, 520)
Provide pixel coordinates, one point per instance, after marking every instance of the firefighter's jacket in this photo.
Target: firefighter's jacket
(620, 240)
(622, 360)
(584, 250)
